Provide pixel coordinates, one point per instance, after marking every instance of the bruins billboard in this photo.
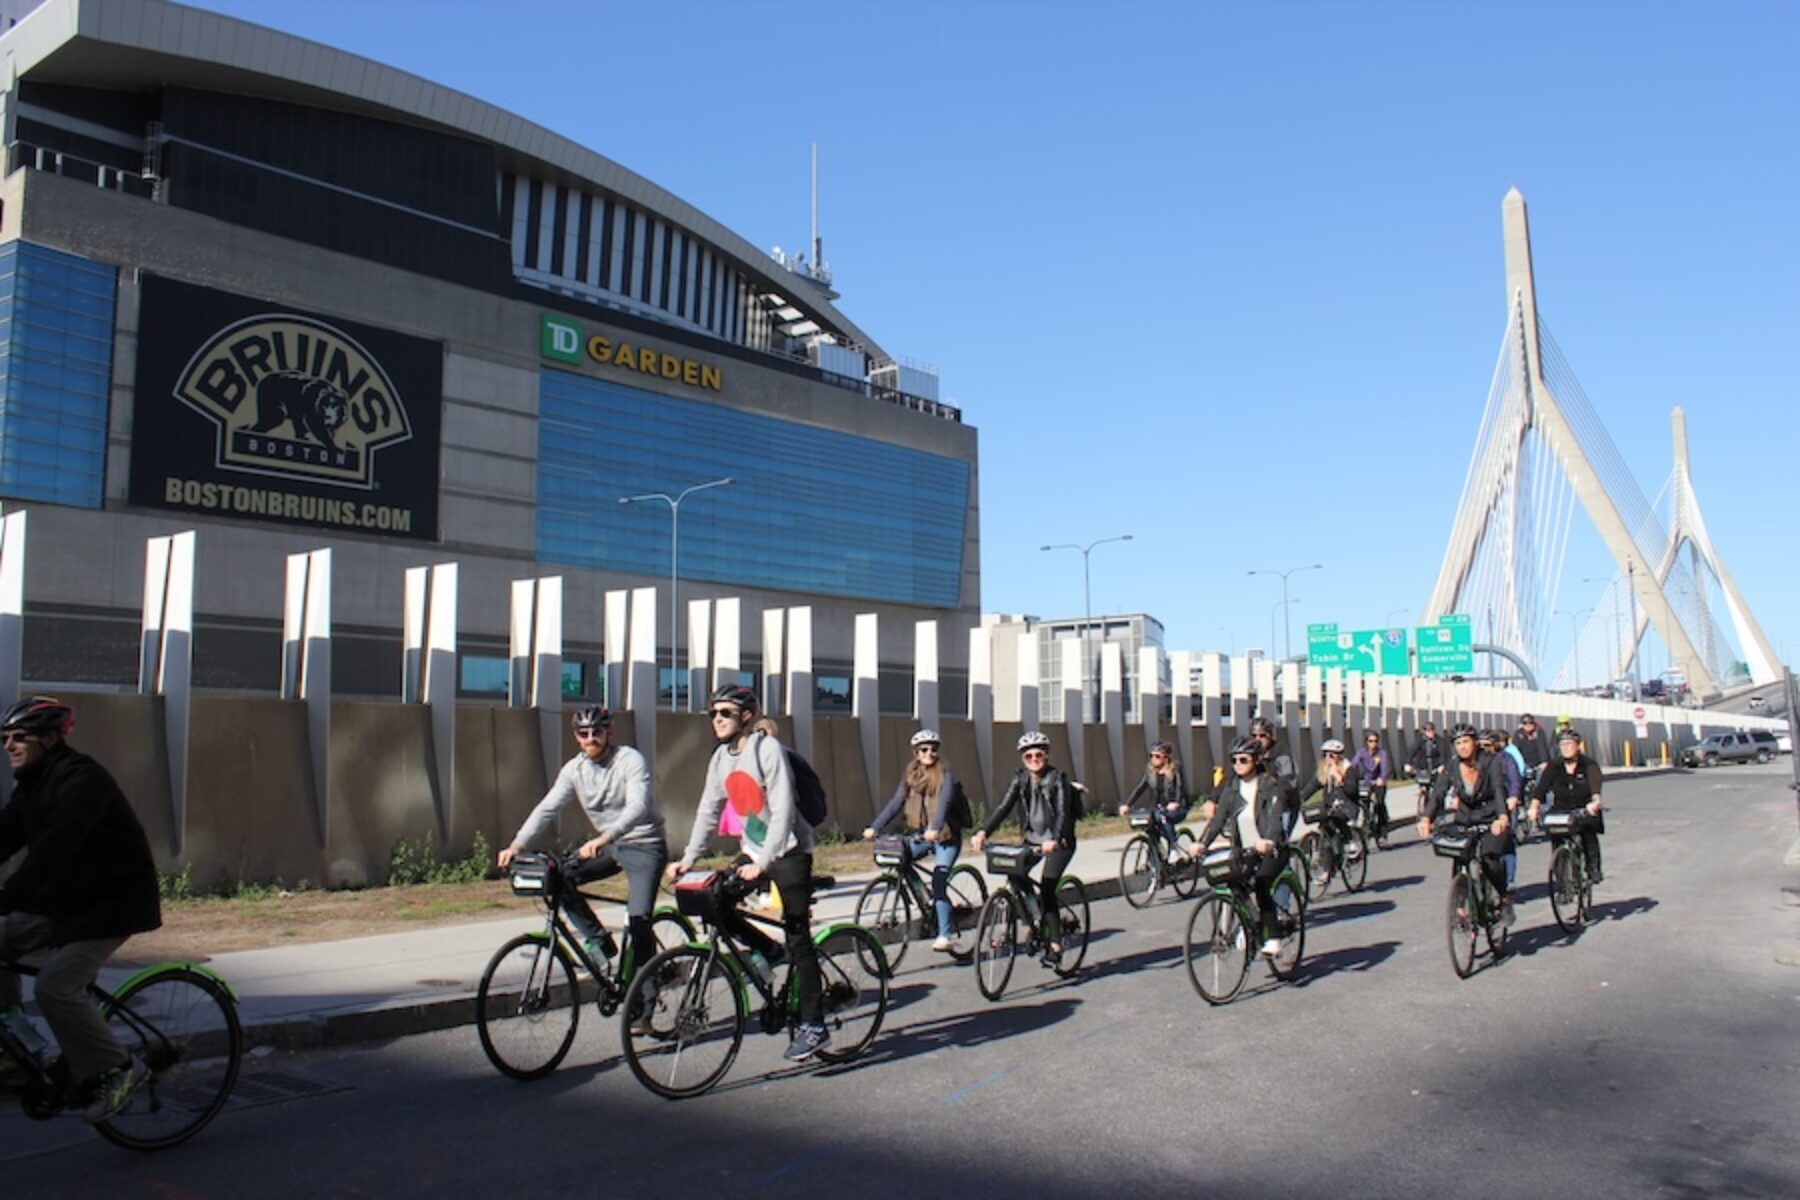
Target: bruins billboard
(246, 409)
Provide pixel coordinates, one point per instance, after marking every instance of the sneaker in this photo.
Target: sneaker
(808, 1041)
(1507, 916)
(1237, 943)
(1052, 957)
(943, 945)
(1271, 948)
(114, 1089)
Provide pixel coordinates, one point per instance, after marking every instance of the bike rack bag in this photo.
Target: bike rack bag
(1453, 844)
(1140, 818)
(890, 851)
(1223, 866)
(1010, 860)
(533, 874)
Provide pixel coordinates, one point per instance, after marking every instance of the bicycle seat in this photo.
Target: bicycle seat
(821, 883)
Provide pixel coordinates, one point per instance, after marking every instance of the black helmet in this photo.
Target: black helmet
(1567, 733)
(738, 696)
(1462, 729)
(1262, 725)
(39, 714)
(1247, 745)
(1163, 748)
(591, 716)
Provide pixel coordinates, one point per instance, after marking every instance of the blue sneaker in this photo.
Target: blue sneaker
(808, 1041)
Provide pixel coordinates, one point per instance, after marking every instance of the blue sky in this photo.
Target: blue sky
(1228, 277)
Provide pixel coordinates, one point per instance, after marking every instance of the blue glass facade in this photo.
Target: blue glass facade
(56, 324)
(813, 510)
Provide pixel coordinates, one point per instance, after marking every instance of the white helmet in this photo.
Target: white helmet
(1035, 739)
(925, 737)
(1332, 746)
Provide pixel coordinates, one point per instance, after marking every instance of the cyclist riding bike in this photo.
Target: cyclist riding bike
(1430, 754)
(1508, 769)
(86, 884)
(1046, 801)
(1571, 783)
(1338, 781)
(1469, 793)
(1372, 766)
(749, 770)
(1251, 810)
(1535, 749)
(924, 811)
(612, 784)
(1163, 790)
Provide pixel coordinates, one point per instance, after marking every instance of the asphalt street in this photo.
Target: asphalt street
(1657, 1054)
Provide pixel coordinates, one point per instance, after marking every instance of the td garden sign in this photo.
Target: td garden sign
(562, 340)
(245, 409)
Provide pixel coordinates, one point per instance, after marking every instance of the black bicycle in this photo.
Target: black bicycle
(1012, 919)
(181, 1021)
(892, 904)
(1150, 862)
(1337, 849)
(1571, 884)
(1473, 908)
(694, 999)
(528, 1005)
(1222, 931)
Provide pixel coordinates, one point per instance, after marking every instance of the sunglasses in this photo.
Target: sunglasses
(725, 714)
(925, 749)
(1034, 754)
(1240, 759)
(591, 732)
(1333, 754)
(17, 739)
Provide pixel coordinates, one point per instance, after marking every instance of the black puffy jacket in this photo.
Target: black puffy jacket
(87, 862)
(1047, 807)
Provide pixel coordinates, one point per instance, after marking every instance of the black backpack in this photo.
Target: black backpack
(809, 793)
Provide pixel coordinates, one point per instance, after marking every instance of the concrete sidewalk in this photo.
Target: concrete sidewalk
(331, 993)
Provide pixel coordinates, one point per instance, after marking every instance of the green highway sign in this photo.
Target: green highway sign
(1371, 651)
(1447, 648)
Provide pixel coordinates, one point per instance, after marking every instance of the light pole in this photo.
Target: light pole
(1575, 637)
(674, 503)
(1287, 641)
(1631, 587)
(1615, 624)
(1087, 608)
(1389, 619)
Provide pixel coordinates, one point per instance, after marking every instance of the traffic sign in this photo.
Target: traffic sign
(1371, 651)
(1447, 648)
(1326, 647)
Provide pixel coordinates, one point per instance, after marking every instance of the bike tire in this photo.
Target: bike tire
(885, 909)
(1565, 890)
(968, 892)
(1216, 949)
(1137, 871)
(1460, 926)
(853, 982)
(668, 928)
(1075, 915)
(1185, 873)
(1290, 930)
(996, 943)
(527, 1007)
(1356, 861)
(696, 1012)
(1320, 858)
(183, 1023)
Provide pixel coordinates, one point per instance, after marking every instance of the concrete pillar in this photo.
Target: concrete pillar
(800, 677)
(1149, 695)
(429, 671)
(640, 669)
(981, 700)
(1181, 701)
(614, 641)
(1334, 701)
(1300, 747)
(925, 674)
(12, 612)
(1266, 703)
(1315, 705)
(1074, 699)
(774, 662)
(166, 658)
(865, 695)
(1030, 715)
(1212, 706)
(1112, 689)
(1242, 689)
(699, 654)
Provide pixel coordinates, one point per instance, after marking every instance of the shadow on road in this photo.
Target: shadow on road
(1390, 885)
(1336, 962)
(1618, 910)
(1319, 914)
(1130, 964)
(965, 1030)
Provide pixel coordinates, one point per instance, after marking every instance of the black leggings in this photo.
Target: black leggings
(1055, 863)
(792, 873)
(1262, 883)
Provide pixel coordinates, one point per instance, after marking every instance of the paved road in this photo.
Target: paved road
(1655, 1056)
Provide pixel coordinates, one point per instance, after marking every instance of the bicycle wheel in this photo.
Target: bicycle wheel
(1217, 949)
(1320, 857)
(1072, 911)
(527, 1007)
(1565, 890)
(968, 892)
(1459, 921)
(996, 942)
(668, 928)
(1356, 860)
(885, 909)
(183, 1024)
(1290, 930)
(694, 1017)
(853, 976)
(1184, 874)
(1138, 875)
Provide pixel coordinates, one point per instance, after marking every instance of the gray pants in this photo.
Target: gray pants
(88, 1046)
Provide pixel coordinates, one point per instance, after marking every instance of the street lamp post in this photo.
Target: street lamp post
(1087, 607)
(1618, 645)
(1287, 639)
(1575, 637)
(674, 503)
(1282, 604)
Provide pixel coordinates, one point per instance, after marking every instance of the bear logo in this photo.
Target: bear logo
(311, 407)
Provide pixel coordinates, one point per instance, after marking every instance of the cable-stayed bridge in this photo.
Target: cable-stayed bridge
(1542, 457)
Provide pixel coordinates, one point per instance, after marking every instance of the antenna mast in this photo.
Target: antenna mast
(818, 248)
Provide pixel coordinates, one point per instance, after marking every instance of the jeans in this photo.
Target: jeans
(946, 854)
(642, 863)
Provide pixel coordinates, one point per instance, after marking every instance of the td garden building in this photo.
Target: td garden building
(293, 299)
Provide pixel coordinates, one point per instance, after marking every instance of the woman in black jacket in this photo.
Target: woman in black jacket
(1571, 783)
(1045, 798)
(1163, 790)
(1251, 810)
(1471, 792)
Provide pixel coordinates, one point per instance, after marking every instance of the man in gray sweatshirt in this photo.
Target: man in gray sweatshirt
(613, 785)
(749, 770)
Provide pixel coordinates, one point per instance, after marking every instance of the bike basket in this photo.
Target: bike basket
(1010, 860)
(1223, 866)
(533, 875)
(1558, 824)
(1140, 818)
(1453, 844)
(697, 895)
(890, 851)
